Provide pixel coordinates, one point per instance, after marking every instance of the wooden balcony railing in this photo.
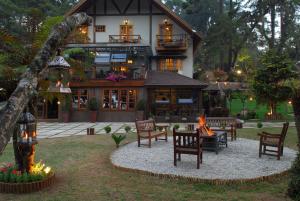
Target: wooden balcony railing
(125, 38)
(174, 42)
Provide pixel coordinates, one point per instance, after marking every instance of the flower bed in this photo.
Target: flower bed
(13, 181)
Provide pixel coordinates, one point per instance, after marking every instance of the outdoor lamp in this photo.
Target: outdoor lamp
(27, 125)
(59, 67)
(26, 141)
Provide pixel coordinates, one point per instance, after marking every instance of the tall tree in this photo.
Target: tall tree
(27, 86)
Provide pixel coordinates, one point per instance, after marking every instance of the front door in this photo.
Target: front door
(47, 109)
(126, 32)
(166, 30)
(52, 109)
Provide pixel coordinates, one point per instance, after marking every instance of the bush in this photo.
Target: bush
(176, 126)
(251, 115)
(140, 106)
(127, 129)
(107, 129)
(219, 112)
(118, 139)
(93, 104)
(294, 185)
(259, 125)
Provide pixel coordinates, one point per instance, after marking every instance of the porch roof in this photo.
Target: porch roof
(171, 79)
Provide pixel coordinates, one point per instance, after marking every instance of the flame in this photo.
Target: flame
(203, 127)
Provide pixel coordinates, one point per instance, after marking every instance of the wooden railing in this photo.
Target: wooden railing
(125, 38)
(178, 41)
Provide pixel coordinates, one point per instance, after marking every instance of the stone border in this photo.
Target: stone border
(18, 188)
(199, 180)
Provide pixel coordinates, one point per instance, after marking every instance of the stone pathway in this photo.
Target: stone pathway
(56, 130)
(239, 161)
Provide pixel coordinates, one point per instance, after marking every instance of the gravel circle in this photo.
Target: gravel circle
(239, 161)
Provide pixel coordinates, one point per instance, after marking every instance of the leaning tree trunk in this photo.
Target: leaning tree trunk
(27, 87)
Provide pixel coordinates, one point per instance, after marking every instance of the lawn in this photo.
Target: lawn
(84, 172)
(236, 107)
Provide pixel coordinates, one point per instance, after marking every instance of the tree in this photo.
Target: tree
(27, 86)
(270, 83)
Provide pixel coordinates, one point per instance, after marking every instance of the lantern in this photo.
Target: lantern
(27, 125)
(25, 142)
(60, 67)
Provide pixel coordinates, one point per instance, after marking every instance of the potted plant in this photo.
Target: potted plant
(66, 110)
(93, 107)
(127, 129)
(140, 110)
(107, 129)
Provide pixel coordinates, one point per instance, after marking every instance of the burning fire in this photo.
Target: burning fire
(203, 127)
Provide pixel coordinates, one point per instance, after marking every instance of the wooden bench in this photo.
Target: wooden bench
(227, 124)
(148, 130)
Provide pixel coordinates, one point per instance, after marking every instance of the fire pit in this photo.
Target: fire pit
(212, 140)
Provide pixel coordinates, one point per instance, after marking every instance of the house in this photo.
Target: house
(140, 51)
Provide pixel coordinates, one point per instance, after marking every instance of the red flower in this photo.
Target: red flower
(3, 169)
(14, 172)
(9, 165)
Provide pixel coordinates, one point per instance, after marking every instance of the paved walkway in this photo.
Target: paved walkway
(55, 130)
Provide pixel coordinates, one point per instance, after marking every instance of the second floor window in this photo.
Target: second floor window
(100, 28)
(169, 64)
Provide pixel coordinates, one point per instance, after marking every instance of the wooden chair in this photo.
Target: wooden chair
(273, 140)
(187, 142)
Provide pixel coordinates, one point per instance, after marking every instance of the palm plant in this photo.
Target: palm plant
(118, 139)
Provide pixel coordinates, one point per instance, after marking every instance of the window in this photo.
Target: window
(100, 28)
(170, 65)
(119, 99)
(79, 99)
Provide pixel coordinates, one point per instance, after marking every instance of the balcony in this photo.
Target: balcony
(125, 39)
(172, 43)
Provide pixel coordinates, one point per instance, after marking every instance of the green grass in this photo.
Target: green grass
(84, 172)
(236, 107)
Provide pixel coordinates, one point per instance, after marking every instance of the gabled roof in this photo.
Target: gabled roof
(158, 4)
(170, 79)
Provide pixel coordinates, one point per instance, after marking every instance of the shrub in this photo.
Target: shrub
(251, 115)
(127, 129)
(93, 104)
(259, 125)
(140, 106)
(107, 129)
(294, 185)
(176, 126)
(118, 139)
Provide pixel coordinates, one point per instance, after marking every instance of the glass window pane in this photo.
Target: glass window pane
(132, 99)
(75, 99)
(83, 99)
(106, 99)
(114, 99)
(123, 100)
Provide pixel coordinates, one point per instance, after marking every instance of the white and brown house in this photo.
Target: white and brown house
(141, 50)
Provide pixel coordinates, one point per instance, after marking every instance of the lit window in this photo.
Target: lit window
(173, 65)
(120, 100)
(79, 99)
(100, 28)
